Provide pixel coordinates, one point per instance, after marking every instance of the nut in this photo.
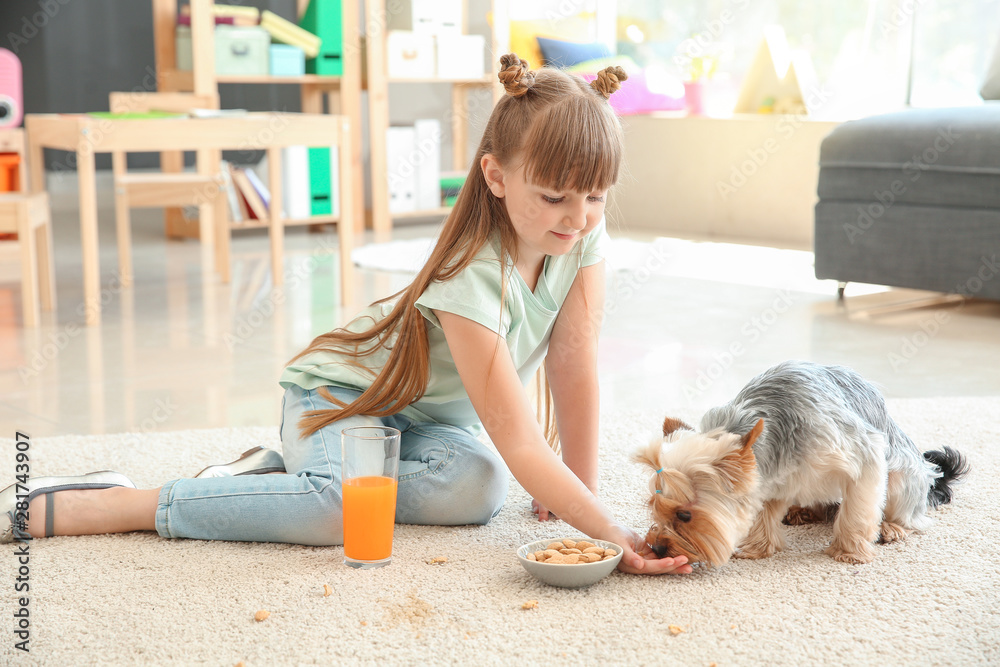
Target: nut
(261, 615)
(561, 553)
(438, 560)
(675, 629)
(327, 591)
(530, 604)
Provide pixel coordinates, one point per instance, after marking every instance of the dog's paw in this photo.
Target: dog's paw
(801, 516)
(858, 557)
(892, 532)
(749, 552)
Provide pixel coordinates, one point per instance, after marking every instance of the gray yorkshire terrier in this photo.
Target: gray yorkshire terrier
(799, 434)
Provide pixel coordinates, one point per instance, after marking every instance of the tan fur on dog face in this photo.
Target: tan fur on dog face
(707, 478)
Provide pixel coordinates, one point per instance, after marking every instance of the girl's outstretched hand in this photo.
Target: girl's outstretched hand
(539, 509)
(639, 558)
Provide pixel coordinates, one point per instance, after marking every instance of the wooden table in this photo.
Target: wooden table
(87, 135)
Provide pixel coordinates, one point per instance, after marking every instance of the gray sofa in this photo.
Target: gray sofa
(912, 199)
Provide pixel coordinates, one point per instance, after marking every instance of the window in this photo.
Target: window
(860, 49)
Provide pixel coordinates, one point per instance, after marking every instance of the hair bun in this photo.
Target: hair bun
(609, 81)
(514, 75)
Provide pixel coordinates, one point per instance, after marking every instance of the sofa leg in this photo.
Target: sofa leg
(840, 290)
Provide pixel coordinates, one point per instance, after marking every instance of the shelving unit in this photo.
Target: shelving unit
(378, 106)
(342, 94)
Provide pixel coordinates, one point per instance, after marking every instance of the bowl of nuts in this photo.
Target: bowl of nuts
(570, 563)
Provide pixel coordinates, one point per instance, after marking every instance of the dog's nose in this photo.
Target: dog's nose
(659, 549)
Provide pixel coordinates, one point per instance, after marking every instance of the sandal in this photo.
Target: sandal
(11, 528)
(256, 461)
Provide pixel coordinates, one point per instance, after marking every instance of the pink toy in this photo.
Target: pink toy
(11, 90)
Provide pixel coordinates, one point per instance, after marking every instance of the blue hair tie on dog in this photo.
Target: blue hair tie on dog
(658, 471)
(659, 491)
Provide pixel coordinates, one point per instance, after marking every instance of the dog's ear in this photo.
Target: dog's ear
(752, 436)
(737, 467)
(670, 425)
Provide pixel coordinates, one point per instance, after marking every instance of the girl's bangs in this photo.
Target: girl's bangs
(573, 145)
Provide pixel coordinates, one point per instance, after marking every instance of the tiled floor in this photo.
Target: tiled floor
(687, 327)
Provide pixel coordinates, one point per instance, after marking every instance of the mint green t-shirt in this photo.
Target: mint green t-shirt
(525, 323)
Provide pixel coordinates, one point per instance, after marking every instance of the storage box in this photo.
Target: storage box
(324, 18)
(297, 203)
(238, 50)
(400, 147)
(10, 169)
(428, 158)
(287, 60)
(241, 51)
(409, 55)
(434, 17)
(460, 56)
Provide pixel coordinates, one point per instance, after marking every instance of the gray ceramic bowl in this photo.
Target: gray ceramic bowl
(577, 575)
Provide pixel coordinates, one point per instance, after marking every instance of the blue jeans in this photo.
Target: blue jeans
(446, 477)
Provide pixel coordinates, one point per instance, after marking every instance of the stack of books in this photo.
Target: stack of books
(310, 186)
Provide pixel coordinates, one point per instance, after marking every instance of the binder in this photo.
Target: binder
(320, 195)
(428, 153)
(286, 32)
(400, 146)
(295, 182)
(323, 19)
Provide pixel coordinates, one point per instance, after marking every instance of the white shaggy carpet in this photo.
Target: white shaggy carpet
(140, 599)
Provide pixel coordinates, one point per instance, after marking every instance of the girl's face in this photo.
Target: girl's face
(546, 222)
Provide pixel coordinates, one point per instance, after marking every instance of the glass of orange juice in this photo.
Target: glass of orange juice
(369, 477)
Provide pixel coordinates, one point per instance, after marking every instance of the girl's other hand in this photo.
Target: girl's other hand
(640, 559)
(539, 509)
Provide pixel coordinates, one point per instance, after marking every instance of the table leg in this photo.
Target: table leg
(88, 235)
(223, 235)
(346, 226)
(206, 212)
(277, 229)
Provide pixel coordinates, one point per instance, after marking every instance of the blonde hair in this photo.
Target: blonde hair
(549, 119)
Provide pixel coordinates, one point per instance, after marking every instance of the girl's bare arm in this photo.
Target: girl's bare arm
(492, 383)
(571, 367)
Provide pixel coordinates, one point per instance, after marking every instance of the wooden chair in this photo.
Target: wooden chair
(166, 188)
(27, 215)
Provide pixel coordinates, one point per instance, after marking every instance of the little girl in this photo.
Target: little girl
(516, 280)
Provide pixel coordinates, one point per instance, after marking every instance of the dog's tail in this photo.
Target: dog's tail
(953, 467)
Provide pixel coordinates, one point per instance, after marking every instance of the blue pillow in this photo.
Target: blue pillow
(558, 53)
